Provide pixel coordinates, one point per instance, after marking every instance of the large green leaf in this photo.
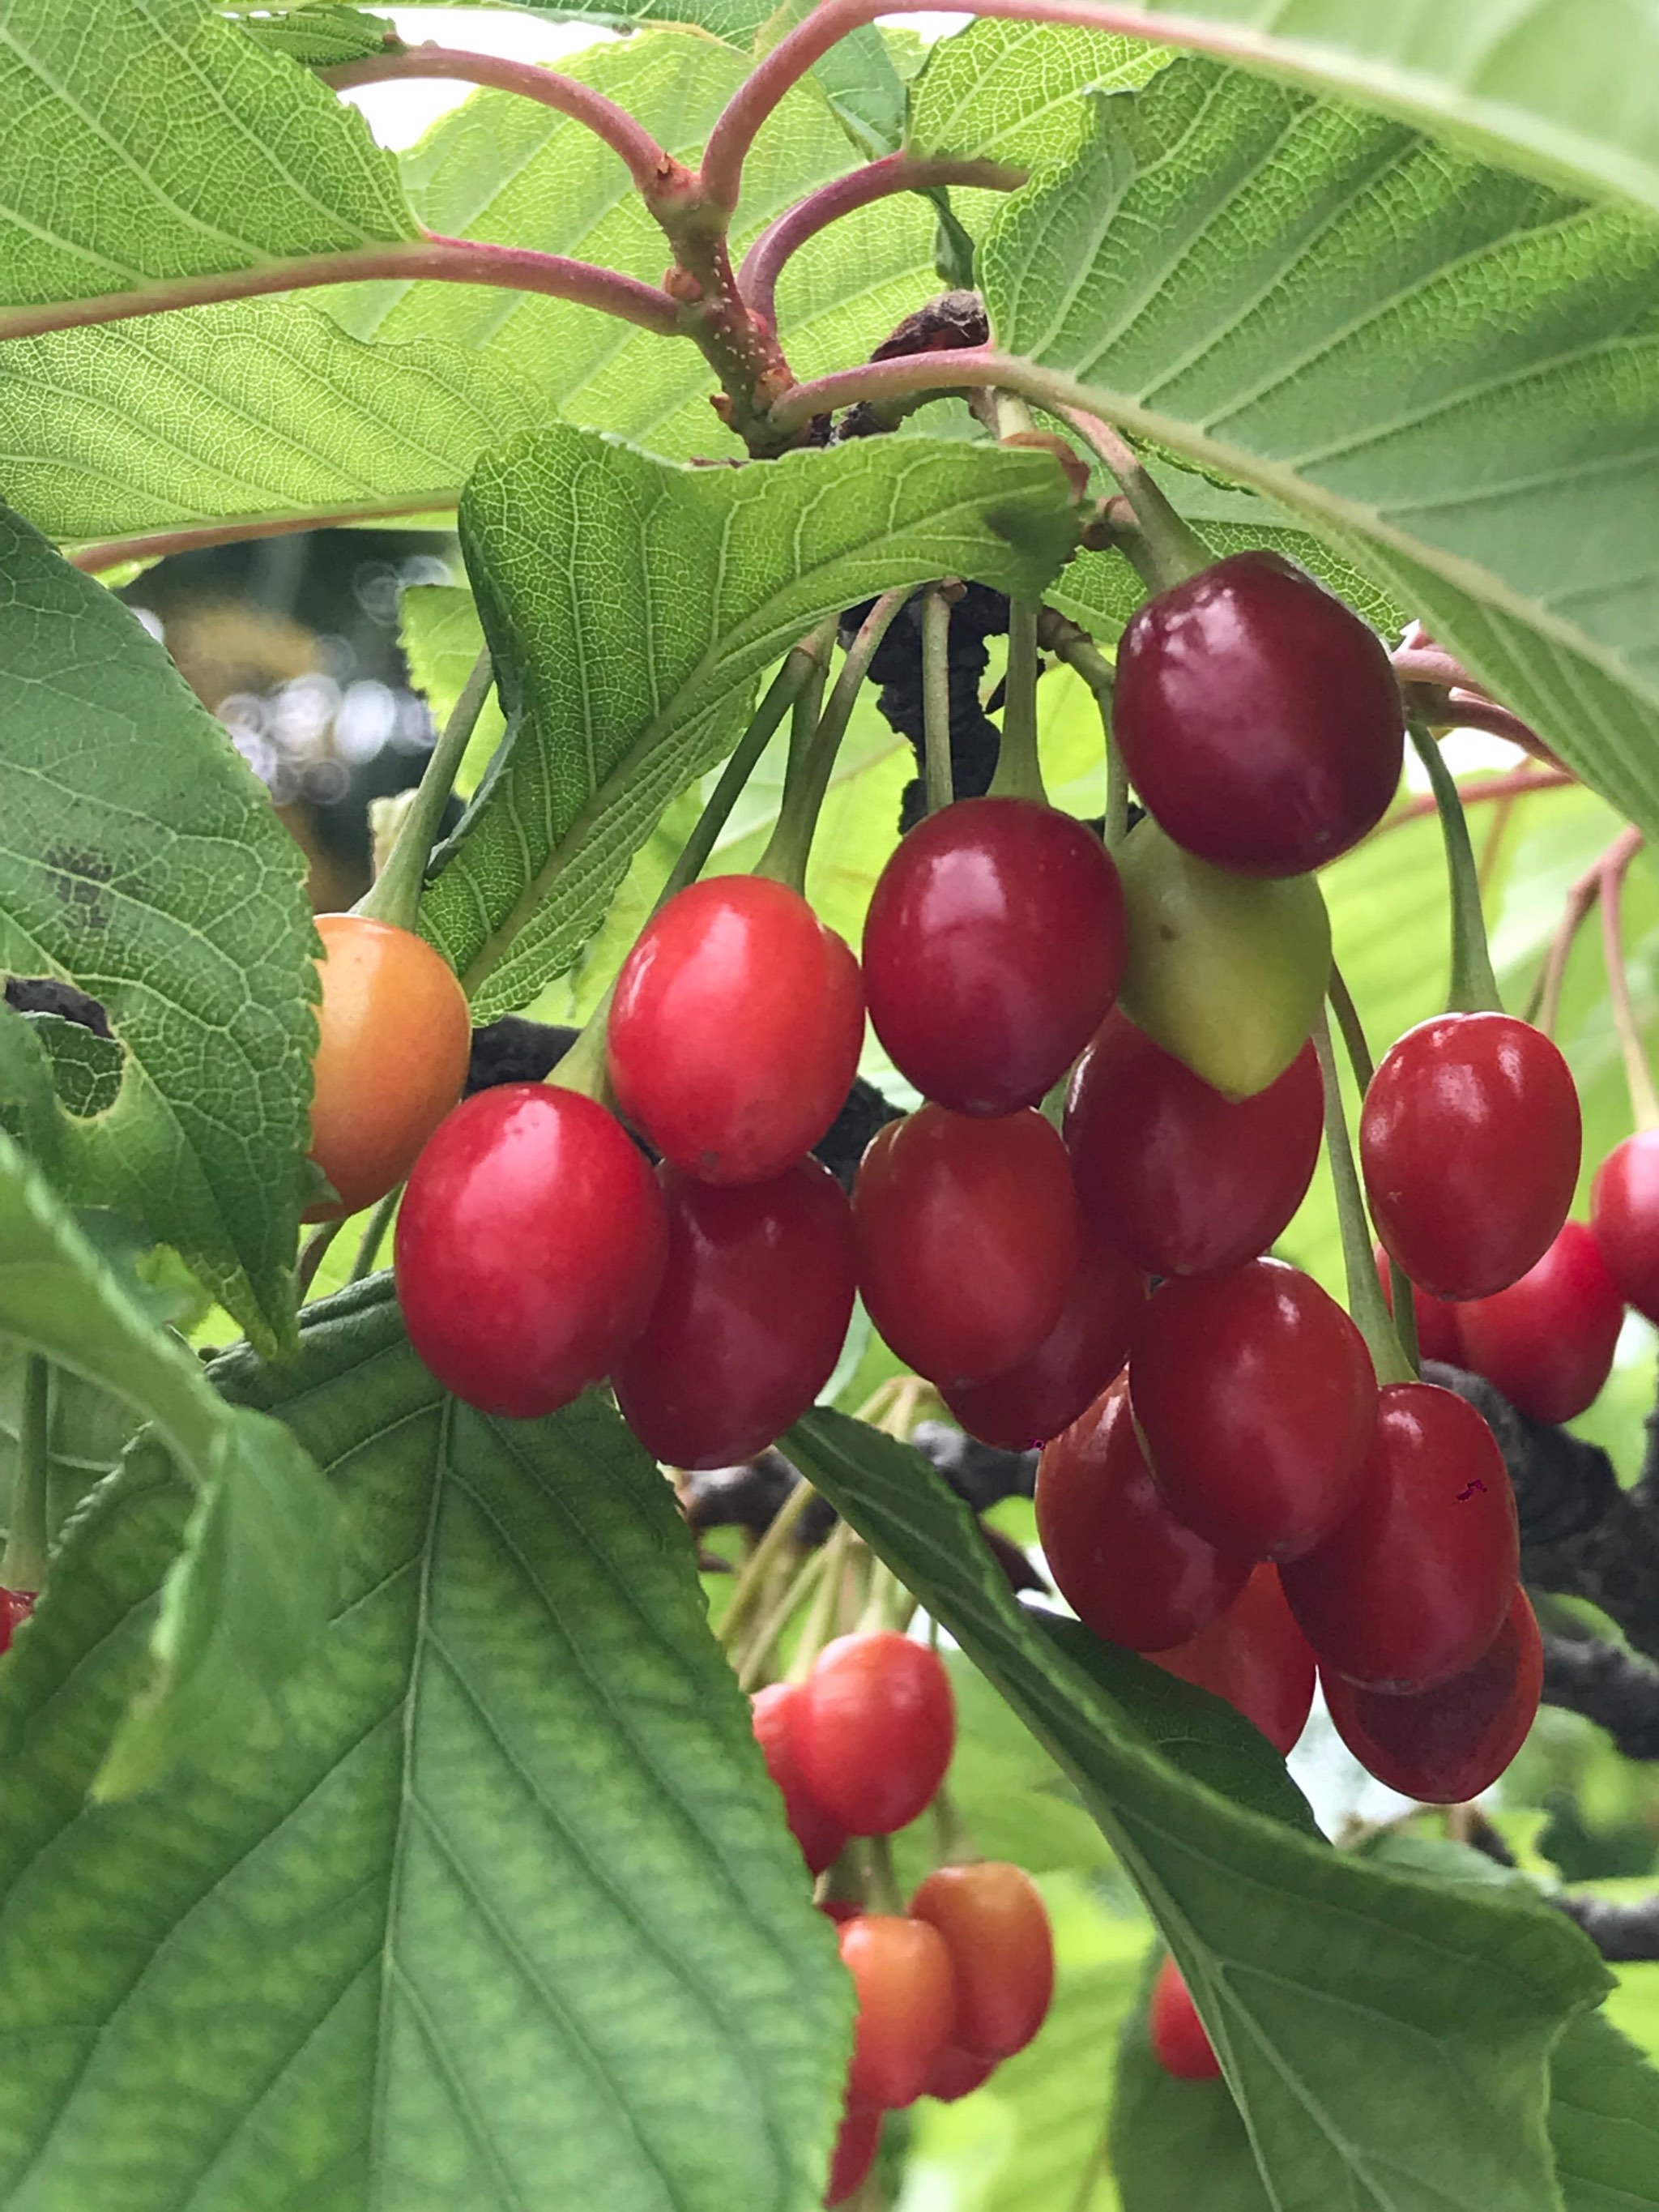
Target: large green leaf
(1604, 2120)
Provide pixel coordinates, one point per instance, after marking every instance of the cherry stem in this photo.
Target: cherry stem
(394, 897)
(374, 1235)
(313, 1253)
(1402, 1306)
(1514, 783)
(936, 699)
(811, 1579)
(820, 1623)
(755, 1573)
(1176, 550)
(1645, 1104)
(1473, 986)
(1365, 1302)
(23, 1565)
(881, 1876)
(1545, 1007)
(1019, 770)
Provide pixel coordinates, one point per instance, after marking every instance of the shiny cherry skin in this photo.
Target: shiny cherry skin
(1446, 1745)
(1548, 1341)
(1181, 1180)
(751, 1318)
(966, 1240)
(1436, 1318)
(819, 1834)
(1126, 1567)
(873, 1730)
(1416, 1583)
(1180, 2043)
(856, 2144)
(1256, 1403)
(1624, 1216)
(995, 1927)
(1255, 1658)
(902, 1971)
(15, 1606)
(735, 1031)
(1469, 1138)
(531, 1245)
(958, 2074)
(993, 950)
(394, 1035)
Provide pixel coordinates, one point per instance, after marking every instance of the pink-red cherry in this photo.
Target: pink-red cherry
(966, 1240)
(1436, 1318)
(1126, 1567)
(1255, 1658)
(1256, 1403)
(1624, 1216)
(530, 1244)
(1469, 1138)
(819, 1834)
(1179, 2042)
(902, 1971)
(1181, 1180)
(1259, 718)
(857, 2142)
(995, 1927)
(1548, 1341)
(1416, 1583)
(750, 1317)
(958, 2074)
(993, 950)
(734, 1034)
(873, 1728)
(15, 1606)
(1446, 1745)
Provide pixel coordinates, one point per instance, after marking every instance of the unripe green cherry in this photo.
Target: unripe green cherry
(1226, 972)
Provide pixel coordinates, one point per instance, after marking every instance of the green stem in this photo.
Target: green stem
(794, 683)
(1019, 772)
(313, 1253)
(1473, 986)
(394, 897)
(820, 1623)
(1365, 1302)
(1401, 1300)
(374, 1235)
(881, 1879)
(752, 1660)
(1638, 1078)
(23, 1566)
(1117, 796)
(1175, 548)
(756, 1571)
(936, 699)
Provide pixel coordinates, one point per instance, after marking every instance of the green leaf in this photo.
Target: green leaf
(443, 637)
(502, 1914)
(1008, 92)
(1174, 2144)
(321, 36)
(631, 603)
(1604, 2119)
(87, 1431)
(1340, 1994)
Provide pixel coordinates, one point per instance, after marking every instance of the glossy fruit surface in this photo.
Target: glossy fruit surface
(1181, 1180)
(734, 1034)
(873, 1730)
(1259, 719)
(1416, 1583)
(1180, 2043)
(1446, 1745)
(901, 1969)
(750, 1317)
(530, 1244)
(1128, 1568)
(1226, 974)
(995, 1927)
(1624, 1216)
(857, 2142)
(1436, 1318)
(15, 1606)
(1256, 1658)
(393, 1038)
(819, 1834)
(1469, 1138)
(958, 2074)
(1547, 1340)
(993, 950)
(967, 1238)
(1256, 1403)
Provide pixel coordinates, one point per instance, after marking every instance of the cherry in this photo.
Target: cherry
(1446, 1745)
(1414, 1584)
(1256, 1403)
(1259, 719)
(902, 1971)
(873, 1728)
(1469, 1138)
(1129, 1568)
(969, 987)
(750, 1317)
(1184, 1181)
(15, 1606)
(1624, 1216)
(1256, 1658)
(1436, 1318)
(819, 1834)
(735, 1031)
(530, 1242)
(958, 2074)
(1548, 1341)
(1181, 2044)
(393, 1038)
(856, 2144)
(995, 1927)
(967, 1239)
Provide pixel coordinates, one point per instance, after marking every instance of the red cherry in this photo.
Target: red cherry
(1469, 1138)
(1436, 1318)
(839, 1909)
(1256, 1403)
(734, 1034)
(819, 1834)
(873, 1730)
(1259, 719)
(995, 1927)
(1256, 1658)
(15, 1606)
(1414, 1585)
(1624, 1216)
(1547, 1340)
(967, 1239)
(958, 2074)
(902, 1971)
(1447, 1744)
(856, 2145)
(1183, 1180)
(1179, 2042)
(965, 988)
(750, 1317)
(1129, 1568)
(531, 1243)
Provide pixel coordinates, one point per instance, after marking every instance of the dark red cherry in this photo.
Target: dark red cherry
(734, 1034)
(750, 1317)
(531, 1243)
(1256, 1658)
(993, 947)
(1624, 1216)
(958, 2074)
(1259, 718)
(1128, 1568)
(1446, 1745)
(1415, 1583)
(1180, 2044)
(902, 1971)
(819, 1834)
(856, 2145)
(1436, 1318)
(1183, 1181)
(1469, 1138)
(1547, 1340)
(15, 1606)
(873, 1728)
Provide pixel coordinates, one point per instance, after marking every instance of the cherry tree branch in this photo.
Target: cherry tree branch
(1515, 783)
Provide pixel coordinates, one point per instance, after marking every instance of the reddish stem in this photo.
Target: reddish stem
(156, 544)
(1514, 784)
(1615, 865)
